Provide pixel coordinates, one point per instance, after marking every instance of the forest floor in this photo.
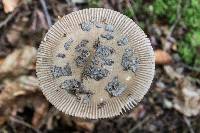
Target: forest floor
(171, 105)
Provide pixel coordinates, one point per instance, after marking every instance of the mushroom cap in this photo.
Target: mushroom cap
(127, 76)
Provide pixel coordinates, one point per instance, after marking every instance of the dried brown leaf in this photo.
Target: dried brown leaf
(10, 5)
(41, 18)
(39, 21)
(1, 61)
(138, 112)
(172, 73)
(41, 108)
(188, 99)
(2, 120)
(89, 126)
(19, 61)
(13, 36)
(21, 86)
(50, 123)
(162, 57)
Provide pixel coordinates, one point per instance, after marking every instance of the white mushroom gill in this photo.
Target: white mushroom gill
(95, 63)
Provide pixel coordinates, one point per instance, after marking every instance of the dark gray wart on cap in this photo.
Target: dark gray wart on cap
(108, 36)
(123, 41)
(129, 60)
(86, 26)
(115, 87)
(58, 71)
(68, 43)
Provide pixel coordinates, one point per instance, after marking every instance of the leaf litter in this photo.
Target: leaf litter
(173, 92)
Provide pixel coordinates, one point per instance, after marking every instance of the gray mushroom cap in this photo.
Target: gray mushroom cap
(95, 63)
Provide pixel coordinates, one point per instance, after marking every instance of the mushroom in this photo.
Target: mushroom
(95, 63)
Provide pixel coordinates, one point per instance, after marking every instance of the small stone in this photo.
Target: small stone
(123, 41)
(161, 85)
(180, 70)
(86, 26)
(176, 57)
(60, 55)
(129, 61)
(109, 28)
(167, 104)
(108, 36)
(115, 88)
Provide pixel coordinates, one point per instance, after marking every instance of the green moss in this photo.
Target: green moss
(166, 8)
(149, 12)
(186, 53)
(94, 3)
(190, 17)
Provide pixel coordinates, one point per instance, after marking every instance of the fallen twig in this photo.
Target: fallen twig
(52, 112)
(24, 124)
(9, 18)
(48, 18)
(192, 68)
(178, 17)
(179, 13)
(128, 4)
(139, 124)
(69, 2)
(187, 121)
